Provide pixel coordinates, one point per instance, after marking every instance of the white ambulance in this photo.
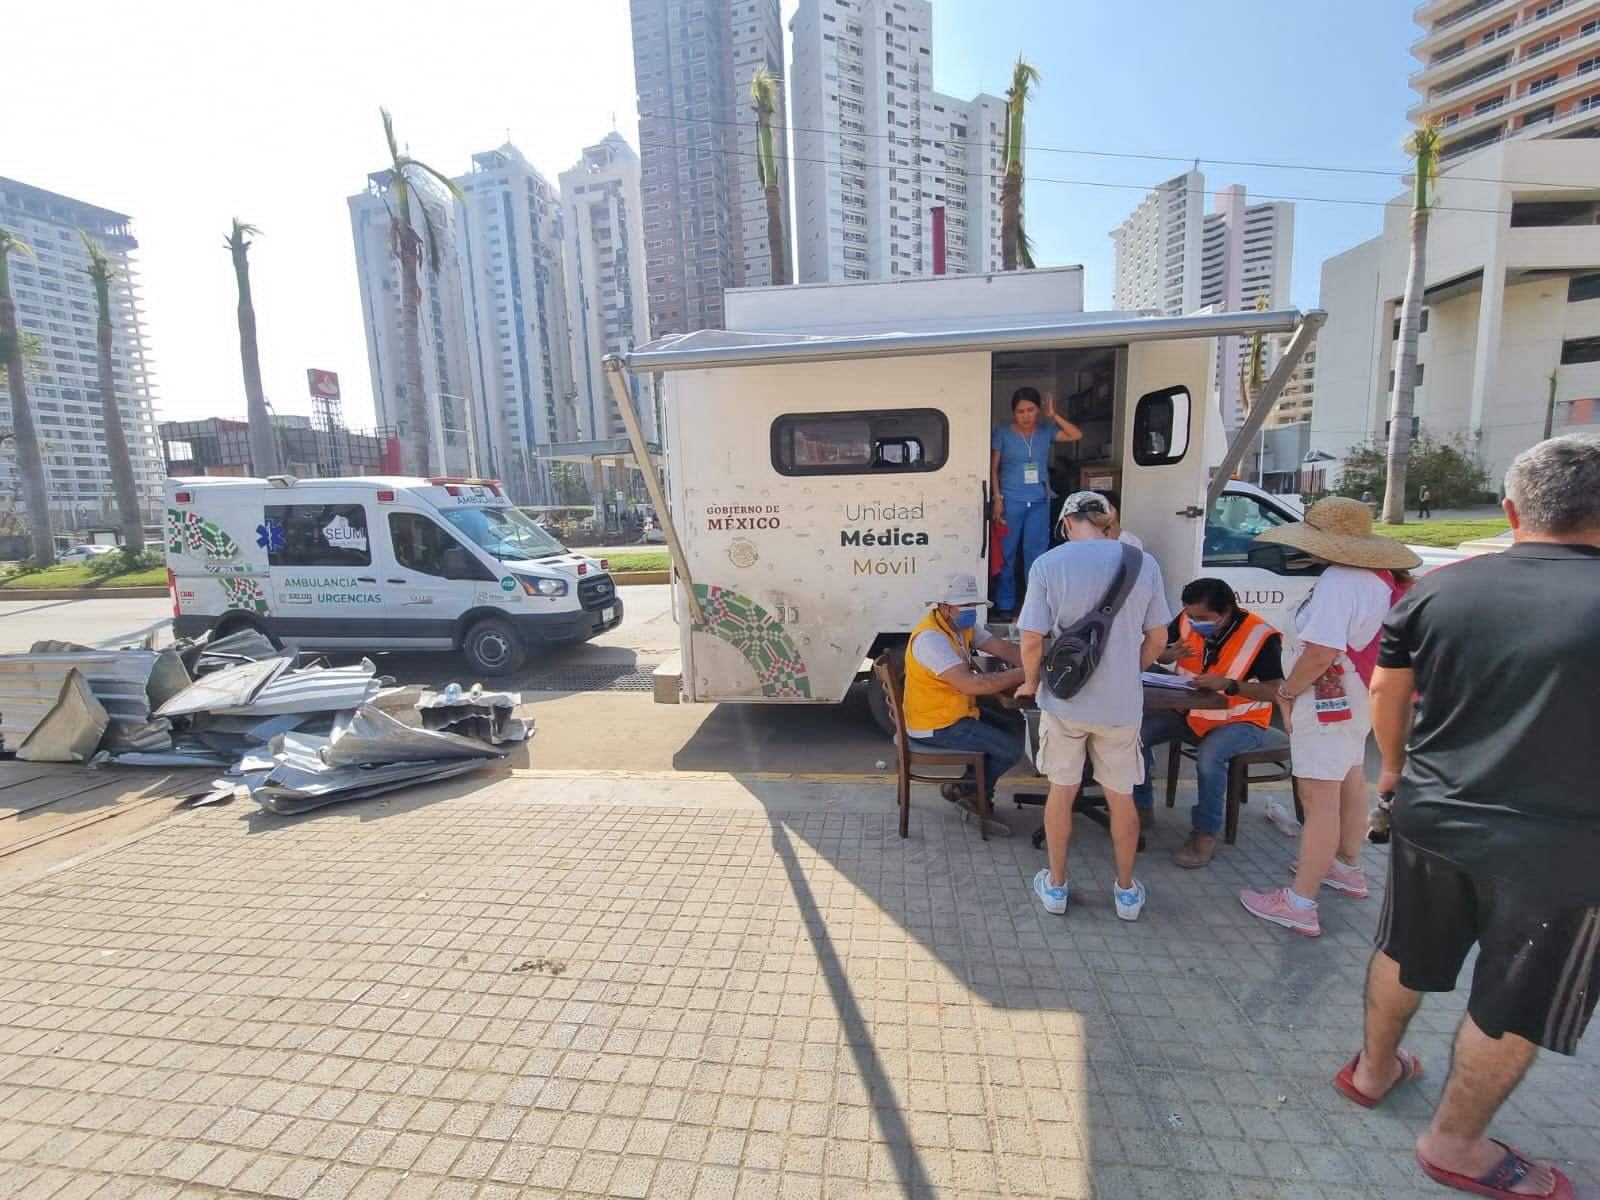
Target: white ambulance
(830, 460)
(376, 563)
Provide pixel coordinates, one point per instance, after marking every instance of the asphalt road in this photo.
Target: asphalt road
(578, 730)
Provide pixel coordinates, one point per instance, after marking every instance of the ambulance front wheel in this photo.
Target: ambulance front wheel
(492, 647)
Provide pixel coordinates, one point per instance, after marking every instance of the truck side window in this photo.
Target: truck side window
(419, 544)
(316, 535)
(1231, 529)
(1161, 427)
(860, 443)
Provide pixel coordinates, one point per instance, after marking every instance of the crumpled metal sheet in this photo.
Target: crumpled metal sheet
(370, 735)
(72, 728)
(222, 689)
(124, 736)
(486, 716)
(308, 690)
(119, 679)
(290, 789)
(248, 645)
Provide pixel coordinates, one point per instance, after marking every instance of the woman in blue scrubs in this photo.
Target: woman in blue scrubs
(1019, 470)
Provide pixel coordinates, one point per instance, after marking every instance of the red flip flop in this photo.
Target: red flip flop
(1345, 1080)
(1512, 1170)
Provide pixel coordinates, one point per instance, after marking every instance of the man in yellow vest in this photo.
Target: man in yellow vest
(944, 681)
(1220, 647)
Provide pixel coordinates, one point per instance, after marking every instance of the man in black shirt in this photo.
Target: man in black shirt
(1497, 815)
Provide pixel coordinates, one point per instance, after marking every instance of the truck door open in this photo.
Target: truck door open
(1162, 411)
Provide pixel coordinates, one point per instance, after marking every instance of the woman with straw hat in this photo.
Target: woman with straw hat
(1325, 703)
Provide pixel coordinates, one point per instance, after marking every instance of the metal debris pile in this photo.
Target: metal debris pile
(293, 737)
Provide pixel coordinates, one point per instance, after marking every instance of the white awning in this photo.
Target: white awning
(733, 348)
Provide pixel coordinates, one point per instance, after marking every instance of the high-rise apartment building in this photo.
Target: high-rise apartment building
(514, 279)
(605, 268)
(56, 302)
(878, 150)
(496, 347)
(1158, 250)
(704, 211)
(1498, 69)
(447, 351)
(1172, 257)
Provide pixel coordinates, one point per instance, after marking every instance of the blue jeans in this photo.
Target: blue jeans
(1027, 525)
(1000, 743)
(1210, 763)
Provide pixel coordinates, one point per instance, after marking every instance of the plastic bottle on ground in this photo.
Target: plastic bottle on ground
(1282, 819)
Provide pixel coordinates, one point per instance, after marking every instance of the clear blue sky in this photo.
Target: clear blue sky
(1242, 80)
(186, 113)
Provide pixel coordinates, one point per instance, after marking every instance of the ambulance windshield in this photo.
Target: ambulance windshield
(504, 532)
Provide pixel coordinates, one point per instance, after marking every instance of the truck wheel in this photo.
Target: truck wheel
(492, 647)
(232, 625)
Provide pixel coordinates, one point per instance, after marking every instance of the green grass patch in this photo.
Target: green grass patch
(78, 575)
(1442, 533)
(636, 560)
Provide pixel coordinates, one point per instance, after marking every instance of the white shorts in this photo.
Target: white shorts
(1326, 751)
(1114, 749)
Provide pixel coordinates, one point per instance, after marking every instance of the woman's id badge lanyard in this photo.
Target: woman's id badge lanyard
(1030, 469)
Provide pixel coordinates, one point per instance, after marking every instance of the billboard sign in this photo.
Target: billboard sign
(323, 383)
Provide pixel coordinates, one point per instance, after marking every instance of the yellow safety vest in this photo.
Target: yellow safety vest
(931, 703)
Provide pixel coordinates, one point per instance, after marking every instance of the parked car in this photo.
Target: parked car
(83, 553)
(1488, 545)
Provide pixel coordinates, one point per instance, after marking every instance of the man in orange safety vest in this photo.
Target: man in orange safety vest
(1219, 647)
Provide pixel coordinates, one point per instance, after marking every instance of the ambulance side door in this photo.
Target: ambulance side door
(430, 579)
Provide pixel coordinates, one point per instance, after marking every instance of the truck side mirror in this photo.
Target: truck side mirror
(455, 563)
(1268, 557)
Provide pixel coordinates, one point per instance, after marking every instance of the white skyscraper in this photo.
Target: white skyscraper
(516, 297)
(1174, 258)
(446, 340)
(1158, 250)
(56, 301)
(877, 150)
(607, 304)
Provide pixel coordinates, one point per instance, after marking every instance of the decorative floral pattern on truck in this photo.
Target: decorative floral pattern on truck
(189, 533)
(754, 633)
(242, 593)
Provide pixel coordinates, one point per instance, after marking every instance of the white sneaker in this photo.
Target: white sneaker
(1053, 898)
(1130, 903)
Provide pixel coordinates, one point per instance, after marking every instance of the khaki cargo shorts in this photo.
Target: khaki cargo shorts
(1114, 750)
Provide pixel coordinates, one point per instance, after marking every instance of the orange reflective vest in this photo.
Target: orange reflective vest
(931, 703)
(1233, 660)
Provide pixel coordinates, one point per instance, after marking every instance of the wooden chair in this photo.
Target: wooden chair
(891, 678)
(1239, 779)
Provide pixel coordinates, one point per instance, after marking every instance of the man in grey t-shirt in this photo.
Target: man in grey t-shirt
(1102, 720)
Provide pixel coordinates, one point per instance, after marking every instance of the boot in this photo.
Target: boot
(1197, 849)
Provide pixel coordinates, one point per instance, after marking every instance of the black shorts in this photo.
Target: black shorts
(1538, 969)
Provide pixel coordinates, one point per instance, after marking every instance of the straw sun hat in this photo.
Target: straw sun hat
(1339, 529)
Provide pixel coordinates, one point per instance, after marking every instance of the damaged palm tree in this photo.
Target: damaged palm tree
(1423, 146)
(764, 92)
(407, 245)
(1015, 249)
(264, 459)
(30, 457)
(129, 516)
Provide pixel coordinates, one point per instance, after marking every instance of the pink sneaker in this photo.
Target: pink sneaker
(1352, 881)
(1277, 908)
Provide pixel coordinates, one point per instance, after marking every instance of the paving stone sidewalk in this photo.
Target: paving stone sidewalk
(543, 987)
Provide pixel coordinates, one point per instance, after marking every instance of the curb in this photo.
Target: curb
(124, 593)
(620, 578)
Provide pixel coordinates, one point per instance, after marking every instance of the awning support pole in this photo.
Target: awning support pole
(617, 375)
(1305, 332)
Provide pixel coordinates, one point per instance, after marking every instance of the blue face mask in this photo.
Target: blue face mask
(1203, 628)
(967, 618)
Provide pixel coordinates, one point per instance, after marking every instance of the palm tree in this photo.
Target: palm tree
(30, 460)
(1015, 249)
(764, 91)
(1423, 147)
(123, 486)
(263, 443)
(407, 246)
